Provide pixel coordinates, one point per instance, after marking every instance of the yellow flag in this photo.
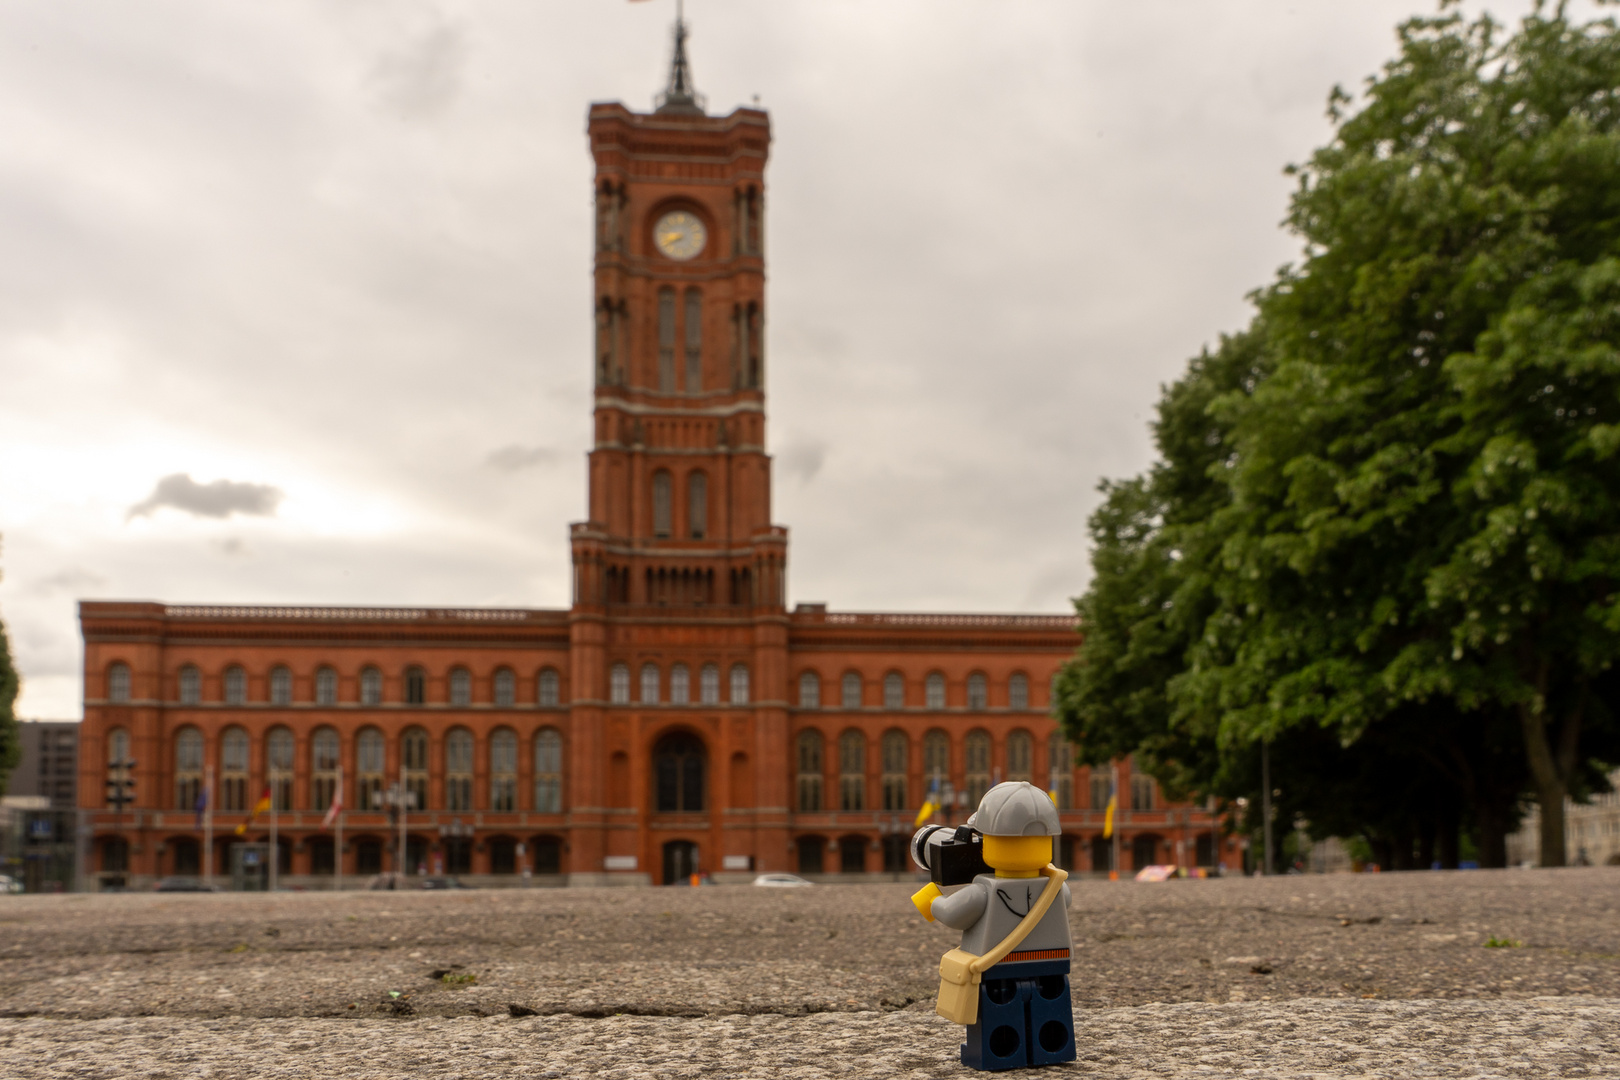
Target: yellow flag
(1108, 819)
(258, 808)
(927, 811)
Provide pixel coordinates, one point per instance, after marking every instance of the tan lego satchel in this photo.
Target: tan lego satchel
(960, 972)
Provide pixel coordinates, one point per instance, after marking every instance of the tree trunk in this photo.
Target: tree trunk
(1426, 829)
(1448, 838)
(1550, 781)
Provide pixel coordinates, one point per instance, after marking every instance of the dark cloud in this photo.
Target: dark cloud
(220, 499)
(424, 77)
(514, 457)
(802, 459)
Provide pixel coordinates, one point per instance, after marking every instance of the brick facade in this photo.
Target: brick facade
(677, 716)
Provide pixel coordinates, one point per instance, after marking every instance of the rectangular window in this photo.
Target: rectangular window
(666, 341)
(694, 341)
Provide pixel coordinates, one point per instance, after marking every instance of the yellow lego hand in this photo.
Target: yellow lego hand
(924, 899)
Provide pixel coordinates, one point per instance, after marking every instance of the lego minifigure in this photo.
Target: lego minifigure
(993, 879)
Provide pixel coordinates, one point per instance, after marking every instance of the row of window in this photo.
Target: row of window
(503, 686)
(680, 685)
(852, 691)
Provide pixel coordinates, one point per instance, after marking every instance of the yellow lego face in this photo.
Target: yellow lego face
(1020, 854)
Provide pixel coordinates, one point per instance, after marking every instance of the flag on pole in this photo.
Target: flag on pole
(335, 809)
(202, 804)
(1108, 818)
(929, 809)
(258, 808)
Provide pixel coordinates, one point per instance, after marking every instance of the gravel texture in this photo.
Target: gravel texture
(1347, 975)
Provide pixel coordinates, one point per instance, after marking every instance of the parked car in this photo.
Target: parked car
(781, 881)
(416, 881)
(448, 881)
(182, 883)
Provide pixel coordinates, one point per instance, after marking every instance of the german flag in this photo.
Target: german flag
(259, 807)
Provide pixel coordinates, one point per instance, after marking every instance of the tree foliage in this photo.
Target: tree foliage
(10, 744)
(1384, 533)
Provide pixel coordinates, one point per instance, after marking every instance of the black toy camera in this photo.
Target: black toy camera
(951, 856)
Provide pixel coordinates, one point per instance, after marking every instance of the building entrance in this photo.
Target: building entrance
(680, 861)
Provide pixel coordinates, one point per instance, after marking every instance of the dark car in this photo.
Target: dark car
(180, 883)
(444, 882)
(415, 881)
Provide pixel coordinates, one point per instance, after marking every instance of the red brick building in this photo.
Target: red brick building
(677, 716)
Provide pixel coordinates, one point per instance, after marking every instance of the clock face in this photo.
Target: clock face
(680, 235)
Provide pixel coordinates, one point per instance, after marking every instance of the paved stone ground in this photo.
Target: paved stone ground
(1366, 975)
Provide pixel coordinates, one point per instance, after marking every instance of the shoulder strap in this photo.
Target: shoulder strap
(1054, 885)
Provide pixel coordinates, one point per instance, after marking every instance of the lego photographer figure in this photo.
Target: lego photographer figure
(993, 879)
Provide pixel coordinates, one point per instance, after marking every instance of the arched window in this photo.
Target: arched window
(649, 684)
(810, 770)
(680, 685)
(894, 691)
(278, 747)
(370, 752)
(326, 686)
(370, 686)
(460, 687)
(233, 770)
(235, 685)
(118, 682)
(978, 692)
(662, 507)
(503, 769)
(709, 684)
(280, 685)
(549, 688)
(188, 768)
(852, 770)
(1060, 759)
(415, 686)
(851, 690)
(1020, 757)
(413, 745)
(505, 688)
(896, 749)
(934, 691)
(1018, 692)
(739, 684)
(619, 684)
(1101, 788)
(694, 341)
(809, 690)
(548, 772)
(1052, 692)
(190, 685)
(679, 767)
(325, 752)
(458, 769)
(697, 504)
(936, 762)
(666, 341)
(1141, 792)
(976, 750)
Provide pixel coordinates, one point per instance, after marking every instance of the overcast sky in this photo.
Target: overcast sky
(295, 296)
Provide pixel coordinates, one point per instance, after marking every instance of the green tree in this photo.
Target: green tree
(10, 746)
(1412, 537)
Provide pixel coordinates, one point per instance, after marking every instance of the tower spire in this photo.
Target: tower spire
(680, 96)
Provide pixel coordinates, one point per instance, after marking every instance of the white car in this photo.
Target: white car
(781, 881)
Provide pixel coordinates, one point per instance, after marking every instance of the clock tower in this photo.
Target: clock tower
(679, 574)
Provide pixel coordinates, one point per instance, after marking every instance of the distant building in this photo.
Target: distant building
(678, 716)
(39, 814)
(1591, 832)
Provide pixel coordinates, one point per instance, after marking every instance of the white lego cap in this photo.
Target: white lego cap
(1016, 808)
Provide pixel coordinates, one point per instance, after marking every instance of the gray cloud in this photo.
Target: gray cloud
(802, 458)
(513, 457)
(219, 499)
(73, 579)
(424, 77)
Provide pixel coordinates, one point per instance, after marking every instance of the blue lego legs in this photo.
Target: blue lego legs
(1024, 1020)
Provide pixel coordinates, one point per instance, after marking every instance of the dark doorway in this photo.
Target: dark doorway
(115, 855)
(896, 853)
(547, 855)
(321, 852)
(812, 850)
(416, 855)
(1102, 854)
(1204, 850)
(680, 861)
(187, 856)
(1144, 851)
(1065, 853)
(678, 765)
(502, 855)
(852, 854)
(458, 855)
(368, 857)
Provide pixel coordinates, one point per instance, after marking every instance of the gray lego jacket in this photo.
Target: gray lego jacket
(990, 908)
